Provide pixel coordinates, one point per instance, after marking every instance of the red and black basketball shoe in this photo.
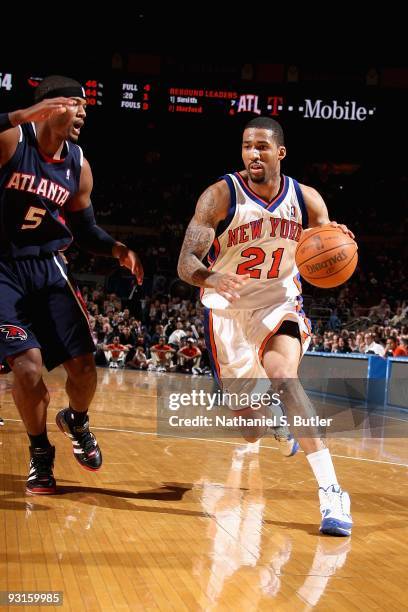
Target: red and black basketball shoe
(41, 480)
(84, 445)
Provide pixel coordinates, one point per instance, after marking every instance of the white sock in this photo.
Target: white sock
(323, 468)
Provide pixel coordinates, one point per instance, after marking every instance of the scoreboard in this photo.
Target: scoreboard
(231, 102)
(110, 94)
(132, 96)
(93, 92)
(135, 95)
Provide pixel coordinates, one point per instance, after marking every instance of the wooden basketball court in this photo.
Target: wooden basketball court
(188, 524)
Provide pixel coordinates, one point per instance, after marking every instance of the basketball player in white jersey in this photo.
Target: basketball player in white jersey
(249, 224)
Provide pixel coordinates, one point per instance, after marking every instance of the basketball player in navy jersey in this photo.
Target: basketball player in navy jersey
(249, 223)
(45, 188)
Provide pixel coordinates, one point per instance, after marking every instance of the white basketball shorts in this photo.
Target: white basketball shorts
(236, 339)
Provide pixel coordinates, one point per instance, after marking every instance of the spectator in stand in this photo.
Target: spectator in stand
(128, 338)
(334, 322)
(126, 314)
(161, 315)
(188, 356)
(360, 344)
(91, 306)
(177, 335)
(371, 346)
(142, 341)
(108, 304)
(161, 355)
(400, 316)
(357, 310)
(115, 353)
(327, 346)
(154, 308)
(175, 303)
(139, 361)
(316, 344)
(135, 325)
(402, 349)
(393, 349)
(159, 331)
(381, 311)
(353, 343)
(343, 345)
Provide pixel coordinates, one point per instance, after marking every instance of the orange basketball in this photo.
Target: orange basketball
(326, 256)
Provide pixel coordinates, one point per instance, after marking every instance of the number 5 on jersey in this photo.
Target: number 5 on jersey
(34, 216)
(257, 256)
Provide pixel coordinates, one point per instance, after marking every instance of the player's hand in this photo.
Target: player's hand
(42, 110)
(343, 228)
(229, 284)
(129, 259)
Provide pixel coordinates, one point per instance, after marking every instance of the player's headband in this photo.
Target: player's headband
(70, 91)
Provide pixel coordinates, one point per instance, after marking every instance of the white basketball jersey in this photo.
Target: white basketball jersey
(259, 238)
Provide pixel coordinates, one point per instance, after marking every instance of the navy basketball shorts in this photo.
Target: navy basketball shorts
(40, 307)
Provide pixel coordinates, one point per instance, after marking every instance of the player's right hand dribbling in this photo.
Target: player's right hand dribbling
(229, 284)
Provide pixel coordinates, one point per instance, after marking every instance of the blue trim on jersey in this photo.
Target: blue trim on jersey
(299, 299)
(303, 209)
(212, 253)
(208, 342)
(273, 204)
(222, 226)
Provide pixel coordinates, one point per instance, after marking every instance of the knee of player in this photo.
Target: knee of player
(281, 372)
(82, 367)
(87, 373)
(83, 377)
(28, 373)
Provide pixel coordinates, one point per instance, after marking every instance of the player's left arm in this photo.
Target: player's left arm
(317, 210)
(89, 235)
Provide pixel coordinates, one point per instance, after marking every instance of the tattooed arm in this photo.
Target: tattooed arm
(212, 207)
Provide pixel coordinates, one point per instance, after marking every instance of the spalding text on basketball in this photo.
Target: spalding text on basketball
(341, 256)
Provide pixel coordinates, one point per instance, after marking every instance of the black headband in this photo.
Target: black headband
(70, 91)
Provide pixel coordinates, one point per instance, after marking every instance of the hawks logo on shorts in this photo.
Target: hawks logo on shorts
(13, 332)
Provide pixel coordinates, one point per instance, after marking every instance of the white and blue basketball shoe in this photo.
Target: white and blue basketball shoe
(335, 510)
(288, 445)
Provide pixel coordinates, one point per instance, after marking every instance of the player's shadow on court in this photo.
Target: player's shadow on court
(14, 487)
(119, 499)
(19, 506)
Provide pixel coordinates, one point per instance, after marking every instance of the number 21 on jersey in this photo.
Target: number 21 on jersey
(256, 257)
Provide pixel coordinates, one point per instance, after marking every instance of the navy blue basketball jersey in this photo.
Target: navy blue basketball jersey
(33, 191)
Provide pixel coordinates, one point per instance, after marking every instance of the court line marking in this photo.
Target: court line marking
(149, 433)
(153, 433)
